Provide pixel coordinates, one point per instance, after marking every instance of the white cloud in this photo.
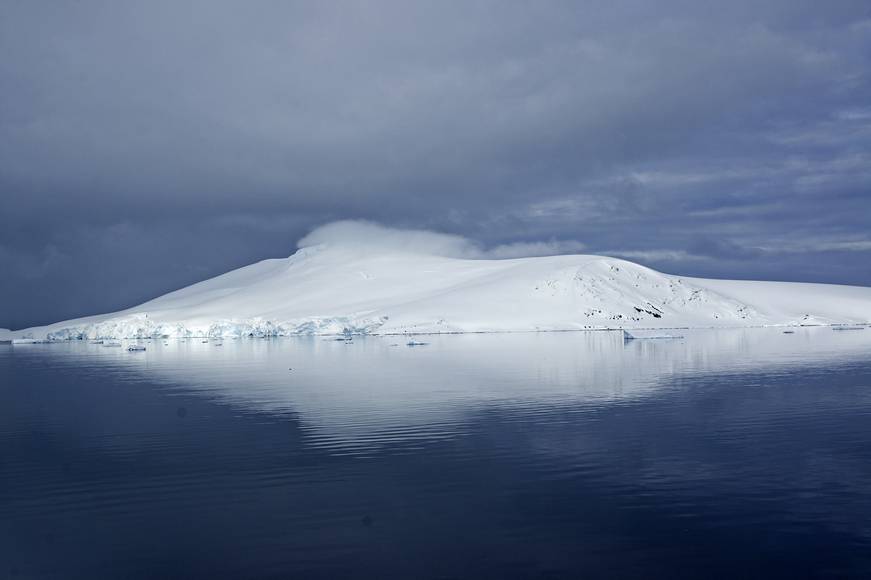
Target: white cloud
(366, 234)
(654, 255)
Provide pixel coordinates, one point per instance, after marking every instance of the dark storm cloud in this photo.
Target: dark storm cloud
(144, 146)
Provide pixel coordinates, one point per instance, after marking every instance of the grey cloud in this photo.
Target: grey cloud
(144, 145)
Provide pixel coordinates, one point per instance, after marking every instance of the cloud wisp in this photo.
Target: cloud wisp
(371, 236)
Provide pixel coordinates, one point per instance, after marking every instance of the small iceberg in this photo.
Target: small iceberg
(848, 328)
(627, 336)
(111, 344)
(415, 343)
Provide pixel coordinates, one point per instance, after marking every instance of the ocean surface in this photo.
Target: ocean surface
(721, 454)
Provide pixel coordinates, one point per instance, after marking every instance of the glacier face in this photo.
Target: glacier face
(137, 326)
(343, 288)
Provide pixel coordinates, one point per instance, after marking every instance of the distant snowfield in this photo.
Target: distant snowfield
(334, 288)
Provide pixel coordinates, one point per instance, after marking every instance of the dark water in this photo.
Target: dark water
(726, 454)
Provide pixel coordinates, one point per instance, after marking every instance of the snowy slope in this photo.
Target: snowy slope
(335, 288)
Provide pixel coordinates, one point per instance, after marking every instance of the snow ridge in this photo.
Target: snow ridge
(343, 288)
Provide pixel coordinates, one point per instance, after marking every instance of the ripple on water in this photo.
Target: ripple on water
(571, 454)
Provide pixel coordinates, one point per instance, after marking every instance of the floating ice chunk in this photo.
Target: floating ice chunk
(628, 336)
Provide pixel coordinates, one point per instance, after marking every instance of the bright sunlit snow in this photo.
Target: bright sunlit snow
(362, 279)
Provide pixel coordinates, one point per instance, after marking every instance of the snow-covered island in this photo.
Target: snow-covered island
(346, 287)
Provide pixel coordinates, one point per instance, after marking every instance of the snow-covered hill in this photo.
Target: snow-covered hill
(331, 288)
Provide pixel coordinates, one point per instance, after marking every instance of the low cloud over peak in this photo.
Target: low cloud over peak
(371, 235)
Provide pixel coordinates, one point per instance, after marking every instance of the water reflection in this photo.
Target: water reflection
(559, 455)
(372, 390)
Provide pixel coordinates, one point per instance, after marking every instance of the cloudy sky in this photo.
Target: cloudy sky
(148, 145)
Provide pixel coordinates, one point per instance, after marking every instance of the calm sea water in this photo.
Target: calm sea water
(557, 455)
